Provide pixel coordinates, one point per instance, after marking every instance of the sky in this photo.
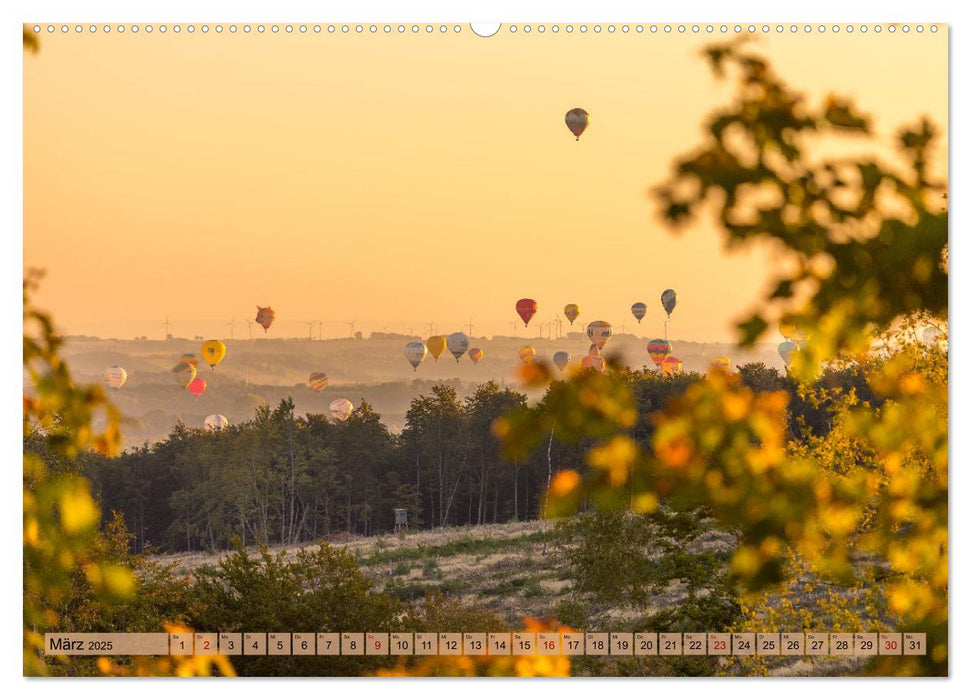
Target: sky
(400, 182)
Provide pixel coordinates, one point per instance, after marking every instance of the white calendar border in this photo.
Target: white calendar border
(11, 205)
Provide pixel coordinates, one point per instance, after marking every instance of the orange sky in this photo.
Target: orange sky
(397, 180)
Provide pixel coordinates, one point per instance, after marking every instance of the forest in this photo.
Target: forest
(281, 478)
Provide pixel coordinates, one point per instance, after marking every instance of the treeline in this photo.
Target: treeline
(281, 478)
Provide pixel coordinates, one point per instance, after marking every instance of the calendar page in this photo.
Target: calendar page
(437, 348)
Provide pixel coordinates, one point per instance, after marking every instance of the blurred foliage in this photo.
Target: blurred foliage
(868, 241)
(861, 503)
(76, 577)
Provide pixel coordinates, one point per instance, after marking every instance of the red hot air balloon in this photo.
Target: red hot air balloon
(526, 308)
(265, 316)
(197, 386)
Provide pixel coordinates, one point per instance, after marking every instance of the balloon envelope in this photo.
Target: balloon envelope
(457, 344)
(436, 345)
(115, 377)
(671, 365)
(561, 359)
(639, 309)
(317, 381)
(183, 374)
(214, 351)
(669, 299)
(197, 386)
(599, 333)
(571, 311)
(265, 316)
(721, 363)
(594, 362)
(526, 308)
(216, 422)
(415, 353)
(527, 353)
(475, 354)
(190, 359)
(786, 350)
(341, 409)
(577, 120)
(931, 335)
(658, 349)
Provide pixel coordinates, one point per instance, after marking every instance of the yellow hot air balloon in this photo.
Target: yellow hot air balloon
(214, 351)
(571, 311)
(436, 345)
(527, 353)
(721, 363)
(787, 329)
(115, 377)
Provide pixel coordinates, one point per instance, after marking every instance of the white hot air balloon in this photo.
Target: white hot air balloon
(115, 377)
(415, 353)
(341, 409)
(216, 421)
(457, 344)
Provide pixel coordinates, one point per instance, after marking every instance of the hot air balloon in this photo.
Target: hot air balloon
(190, 359)
(527, 353)
(599, 333)
(197, 386)
(639, 309)
(216, 422)
(561, 359)
(571, 311)
(787, 329)
(415, 353)
(658, 349)
(457, 344)
(115, 377)
(671, 365)
(214, 351)
(721, 363)
(577, 120)
(526, 308)
(265, 316)
(786, 349)
(594, 362)
(317, 381)
(183, 374)
(475, 354)
(669, 299)
(436, 346)
(341, 409)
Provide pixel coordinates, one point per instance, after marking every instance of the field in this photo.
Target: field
(516, 569)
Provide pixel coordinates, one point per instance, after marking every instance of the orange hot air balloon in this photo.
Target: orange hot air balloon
(475, 354)
(671, 365)
(527, 353)
(526, 308)
(721, 363)
(571, 311)
(265, 316)
(197, 386)
(594, 362)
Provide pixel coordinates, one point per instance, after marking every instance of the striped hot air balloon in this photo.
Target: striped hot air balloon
(639, 309)
(527, 353)
(318, 381)
(183, 373)
(671, 365)
(658, 349)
